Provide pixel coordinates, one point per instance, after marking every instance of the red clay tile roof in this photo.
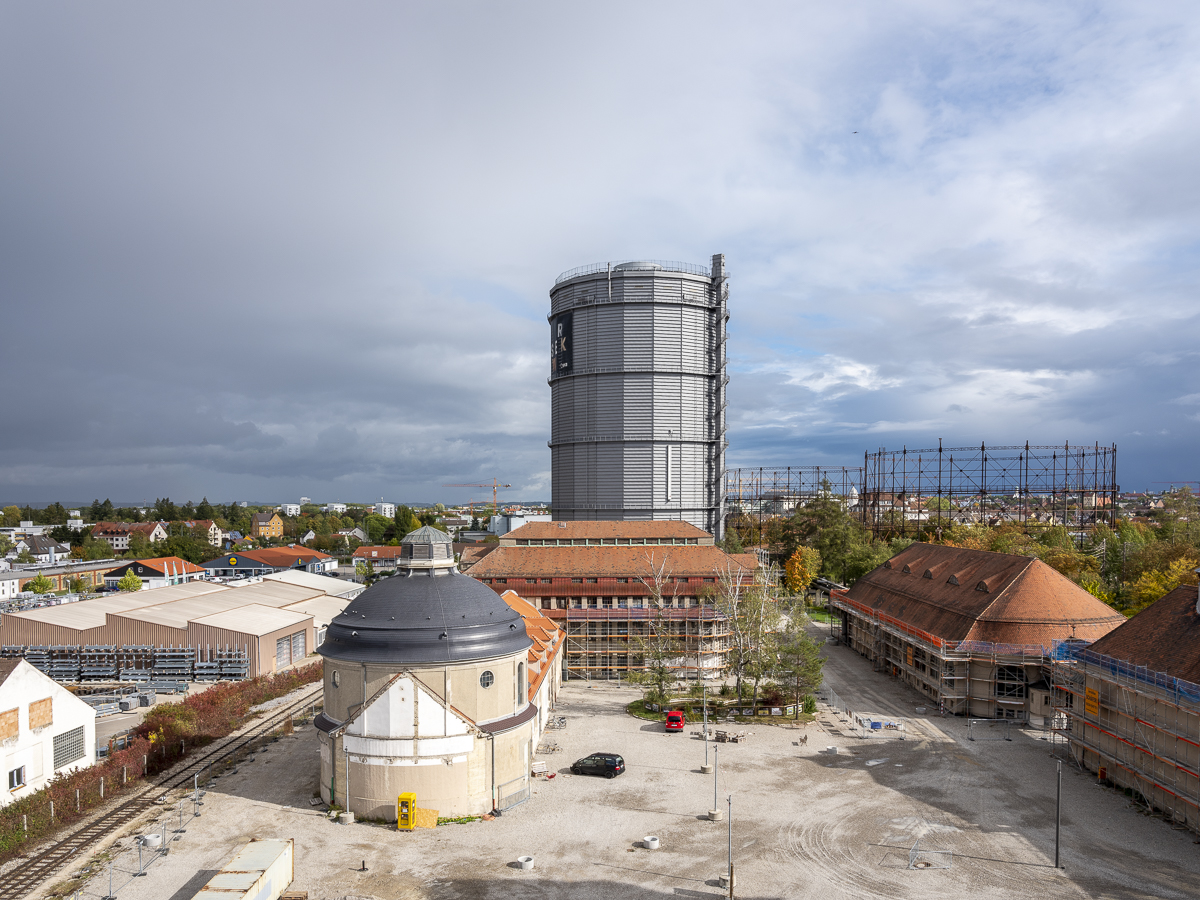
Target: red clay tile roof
(564, 530)
(1164, 636)
(384, 552)
(629, 562)
(284, 556)
(546, 636)
(118, 528)
(974, 595)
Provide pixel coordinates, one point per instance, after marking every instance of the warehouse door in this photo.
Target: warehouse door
(283, 652)
(298, 649)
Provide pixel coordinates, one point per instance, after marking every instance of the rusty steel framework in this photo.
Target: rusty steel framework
(1031, 486)
(762, 494)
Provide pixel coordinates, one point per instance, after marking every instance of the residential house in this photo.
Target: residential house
(43, 548)
(337, 508)
(160, 572)
(206, 528)
(356, 533)
(290, 509)
(45, 730)
(379, 557)
(118, 533)
(266, 525)
(308, 536)
(387, 510)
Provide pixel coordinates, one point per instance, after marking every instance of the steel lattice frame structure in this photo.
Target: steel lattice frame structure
(1035, 486)
(762, 494)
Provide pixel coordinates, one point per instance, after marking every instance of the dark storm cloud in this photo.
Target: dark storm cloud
(295, 249)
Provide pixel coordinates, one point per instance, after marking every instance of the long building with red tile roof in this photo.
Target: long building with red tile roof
(1131, 705)
(969, 628)
(598, 579)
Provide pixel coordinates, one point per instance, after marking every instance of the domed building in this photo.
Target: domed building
(428, 690)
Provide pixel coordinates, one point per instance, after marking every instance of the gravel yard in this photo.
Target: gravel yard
(806, 823)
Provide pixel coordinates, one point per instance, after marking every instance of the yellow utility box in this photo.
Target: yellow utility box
(406, 812)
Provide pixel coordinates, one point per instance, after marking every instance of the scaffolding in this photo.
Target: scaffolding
(1135, 727)
(1033, 486)
(603, 644)
(973, 678)
(759, 495)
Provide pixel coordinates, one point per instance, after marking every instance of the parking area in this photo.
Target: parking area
(806, 822)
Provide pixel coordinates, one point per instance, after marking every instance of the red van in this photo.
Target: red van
(674, 720)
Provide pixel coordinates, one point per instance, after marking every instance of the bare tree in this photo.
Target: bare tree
(658, 646)
(752, 617)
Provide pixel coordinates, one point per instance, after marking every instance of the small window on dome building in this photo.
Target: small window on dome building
(487, 679)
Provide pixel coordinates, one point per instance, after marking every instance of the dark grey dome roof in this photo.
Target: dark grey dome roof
(432, 616)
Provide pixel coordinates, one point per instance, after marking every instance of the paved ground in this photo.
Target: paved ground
(806, 823)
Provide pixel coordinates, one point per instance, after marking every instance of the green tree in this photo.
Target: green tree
(77, 585)
(5, 544)
(129, 582)
(12, 516)
(376, 528)
(405, 520)
(94, 548)
(732, 542)
(40, 585)
(140, 547)
(54, 514)
(800, 661)
(365, 569)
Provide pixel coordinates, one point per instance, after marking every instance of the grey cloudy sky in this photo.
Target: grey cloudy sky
(272, 249)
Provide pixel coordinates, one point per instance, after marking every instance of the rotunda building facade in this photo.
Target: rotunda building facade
(426, 690)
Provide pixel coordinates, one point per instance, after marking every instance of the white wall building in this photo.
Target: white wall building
(503, 524)
(338, 508)
(290, 509)
(44, 729)
(387, 510)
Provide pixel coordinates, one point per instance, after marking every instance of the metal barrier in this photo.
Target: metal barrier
(512, 793)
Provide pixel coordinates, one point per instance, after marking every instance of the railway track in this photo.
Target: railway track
(29, 875)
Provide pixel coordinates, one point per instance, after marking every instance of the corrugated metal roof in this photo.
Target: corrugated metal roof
(91, 613)
(178, 613)
(254, 619)
(276, 593)
(334, 587)
(322, 609)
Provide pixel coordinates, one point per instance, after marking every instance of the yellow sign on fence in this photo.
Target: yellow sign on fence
(1091, 703)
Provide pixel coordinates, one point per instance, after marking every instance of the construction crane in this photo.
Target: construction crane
(494, 484)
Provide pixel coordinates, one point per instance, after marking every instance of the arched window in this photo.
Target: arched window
(336, 678)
